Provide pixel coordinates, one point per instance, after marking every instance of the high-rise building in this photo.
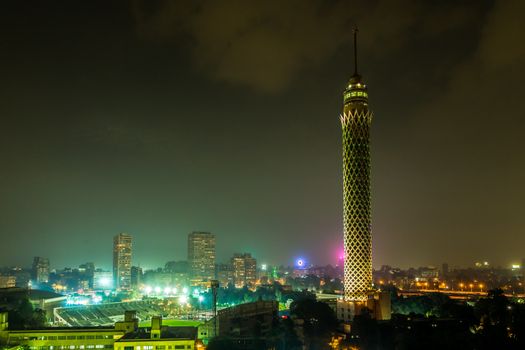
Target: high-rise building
(23, 276)
(122, 261)
(356, 120)
(86, 272)
(201, 257)
(7, 281)
(176, 266)
(244, 270)
(136, 277)
(238, 271)
(224, 274)
(250, 267)
(40, 269)
(444, 270)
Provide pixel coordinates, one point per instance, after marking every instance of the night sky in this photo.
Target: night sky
(158, 118)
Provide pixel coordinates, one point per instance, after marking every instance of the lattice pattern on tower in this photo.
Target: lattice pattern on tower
(356, 200)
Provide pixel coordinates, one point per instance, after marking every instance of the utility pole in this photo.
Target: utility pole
(214, 287)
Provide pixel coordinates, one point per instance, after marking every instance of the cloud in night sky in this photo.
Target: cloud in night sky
(470, 147)
(262, 44)
(266, 44)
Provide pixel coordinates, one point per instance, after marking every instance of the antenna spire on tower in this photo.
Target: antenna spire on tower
(355, 49)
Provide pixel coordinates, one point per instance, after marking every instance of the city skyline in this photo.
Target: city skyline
(119, 122)
(298, 261)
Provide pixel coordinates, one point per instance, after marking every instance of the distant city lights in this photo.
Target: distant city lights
(78, 300)
(300, 263)
(164, 291)
(183, 299)
(105, 281)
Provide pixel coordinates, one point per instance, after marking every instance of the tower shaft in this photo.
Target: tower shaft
(356, 204)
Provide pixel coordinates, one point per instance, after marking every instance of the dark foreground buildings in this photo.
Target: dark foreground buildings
(124, 335)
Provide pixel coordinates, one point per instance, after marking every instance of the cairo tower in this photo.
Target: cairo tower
(355, 121)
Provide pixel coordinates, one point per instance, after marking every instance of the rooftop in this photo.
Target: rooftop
(165, 334)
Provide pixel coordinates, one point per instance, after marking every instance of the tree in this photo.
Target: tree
(23, 316)
(319, 321)
(494, 320)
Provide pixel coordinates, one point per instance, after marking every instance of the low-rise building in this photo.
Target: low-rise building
(61, 338)
(248, 322)
(125, 335)
(159, 337)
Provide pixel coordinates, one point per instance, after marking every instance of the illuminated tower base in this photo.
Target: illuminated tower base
(378, 305)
